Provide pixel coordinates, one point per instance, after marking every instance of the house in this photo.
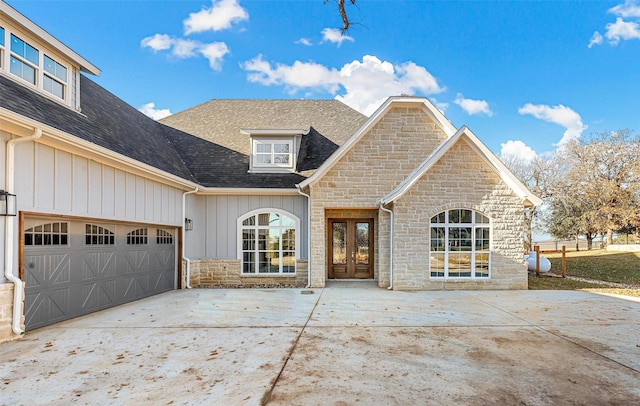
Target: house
(112, 206)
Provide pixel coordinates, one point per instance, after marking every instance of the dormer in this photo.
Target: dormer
(32, 57)
(274, 151)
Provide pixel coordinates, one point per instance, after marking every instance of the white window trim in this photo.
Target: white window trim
(240, 227)
(273, 167)
(5, 67)
(474, 225)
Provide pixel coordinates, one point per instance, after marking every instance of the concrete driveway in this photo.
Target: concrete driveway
(341, 345)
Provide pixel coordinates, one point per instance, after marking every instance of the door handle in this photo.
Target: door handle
(353, 256)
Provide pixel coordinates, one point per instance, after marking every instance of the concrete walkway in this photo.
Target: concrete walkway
(335, 346)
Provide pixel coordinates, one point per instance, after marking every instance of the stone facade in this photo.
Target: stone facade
(377, 164)
(460, 179)
(6, 312)
(373, 167)
(227, 273)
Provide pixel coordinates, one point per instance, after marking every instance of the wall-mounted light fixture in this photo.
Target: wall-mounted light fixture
(188, 224)
(7, 204)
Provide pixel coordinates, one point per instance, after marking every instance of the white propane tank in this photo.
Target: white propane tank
(545, 264)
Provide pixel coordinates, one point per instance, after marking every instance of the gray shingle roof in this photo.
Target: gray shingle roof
(220, 120)
(216, 155)
(106, 121)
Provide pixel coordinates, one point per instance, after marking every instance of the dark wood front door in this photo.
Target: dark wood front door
(350, 248)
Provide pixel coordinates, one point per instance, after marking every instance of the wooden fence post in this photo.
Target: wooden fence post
(564, 261)
(537, 250)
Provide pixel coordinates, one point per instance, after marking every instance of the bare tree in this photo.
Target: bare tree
(604, 175)
(346, 23)
(538, 174)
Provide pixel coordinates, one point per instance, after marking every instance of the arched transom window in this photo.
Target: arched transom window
(460, 242)
(268, 242)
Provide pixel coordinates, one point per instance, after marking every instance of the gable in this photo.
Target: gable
(403, 128)
(464, 135)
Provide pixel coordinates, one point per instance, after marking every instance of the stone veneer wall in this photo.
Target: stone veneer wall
(6, 312)
(227, 273)
(461, 179)
(382, 158)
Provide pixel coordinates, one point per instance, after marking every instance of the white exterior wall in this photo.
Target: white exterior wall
(215, 218)
(53, 181)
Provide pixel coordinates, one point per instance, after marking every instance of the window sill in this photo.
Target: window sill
(268, 275)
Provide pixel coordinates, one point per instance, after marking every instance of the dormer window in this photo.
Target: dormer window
(55, 77)
(270, 153)
(274, 151)
(24, 60)
(1, 46)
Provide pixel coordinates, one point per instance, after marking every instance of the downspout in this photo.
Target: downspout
(184, 236)
(308, 235)
(390, 244)
(8, 233)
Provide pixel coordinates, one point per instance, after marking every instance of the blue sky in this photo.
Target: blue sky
(522, 75)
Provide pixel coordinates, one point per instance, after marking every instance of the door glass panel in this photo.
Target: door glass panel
(362, 244)
(339, 234)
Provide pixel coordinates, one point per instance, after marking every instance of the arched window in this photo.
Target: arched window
(460, 242)
(55, 233)
(137, 237)
(268, 242)
(98, 235)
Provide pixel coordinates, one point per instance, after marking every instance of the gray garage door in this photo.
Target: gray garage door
(72, 268)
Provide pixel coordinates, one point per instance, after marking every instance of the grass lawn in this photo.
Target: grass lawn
(597, 265)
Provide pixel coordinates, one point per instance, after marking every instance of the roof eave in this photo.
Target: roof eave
(20, 19)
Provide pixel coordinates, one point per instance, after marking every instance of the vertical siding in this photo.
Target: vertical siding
(215, 218)
(53, 181)
(63, 191)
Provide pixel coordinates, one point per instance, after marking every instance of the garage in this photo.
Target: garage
(75, 267)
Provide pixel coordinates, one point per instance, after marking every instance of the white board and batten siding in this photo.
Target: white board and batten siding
(215, 233)
(50, 180)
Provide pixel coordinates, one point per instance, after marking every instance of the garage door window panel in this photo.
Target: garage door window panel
(98, 235)
(49, 234)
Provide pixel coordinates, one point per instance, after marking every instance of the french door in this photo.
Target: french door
(350, 248)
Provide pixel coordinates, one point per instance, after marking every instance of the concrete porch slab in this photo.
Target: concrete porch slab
(334, 346)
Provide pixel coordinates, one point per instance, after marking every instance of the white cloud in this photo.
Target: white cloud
(304, 41)
(186, 48)
(158, 42)
(630, 8)
(596, 39)
(561, 115)
(335, 36)
(517, 150)
(220, 16)
(150, 110)
(622, 30)
(472, 106)
(365, 84)
(442, 106)
(214, 52)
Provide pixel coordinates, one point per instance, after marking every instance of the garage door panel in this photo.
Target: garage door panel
(93, 266)
(98, 265)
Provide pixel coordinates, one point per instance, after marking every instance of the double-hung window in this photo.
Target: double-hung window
(268, 242)
(55, 77)
(1, 47)
(25, 60)
(460, 241)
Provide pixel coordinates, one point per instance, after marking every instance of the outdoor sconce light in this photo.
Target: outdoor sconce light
(188, 224)
(7, 204)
